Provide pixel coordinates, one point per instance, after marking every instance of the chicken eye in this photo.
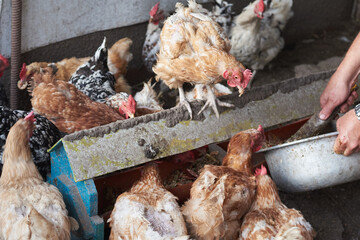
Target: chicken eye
(236, 77)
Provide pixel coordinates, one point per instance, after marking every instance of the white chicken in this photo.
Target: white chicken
(256, 35)
(30, 208)
(151, 44)
(147, 211)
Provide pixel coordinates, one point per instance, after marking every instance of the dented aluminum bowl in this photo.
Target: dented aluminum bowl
(310, 163)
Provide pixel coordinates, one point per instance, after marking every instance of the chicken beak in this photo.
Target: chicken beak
(131, 115)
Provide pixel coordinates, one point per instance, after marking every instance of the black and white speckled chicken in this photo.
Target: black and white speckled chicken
(222, 14)
(151, 44)
(94, 78)
(45, 135)
(4, 63)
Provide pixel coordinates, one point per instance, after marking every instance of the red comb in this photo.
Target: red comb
(131, 102)
(30, 117)
(261, 171)
(22, 74)
(261, 6)
(154, 9)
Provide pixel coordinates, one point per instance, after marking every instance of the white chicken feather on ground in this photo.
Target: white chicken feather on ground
(256, 35)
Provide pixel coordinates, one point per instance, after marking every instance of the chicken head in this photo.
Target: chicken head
(156, 15)
(238, 78)
(260, 171)
(24, 77)
(128, 107)
(4, 63)
(260, 9)
(258, 139)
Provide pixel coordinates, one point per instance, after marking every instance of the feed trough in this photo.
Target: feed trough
(310, 164)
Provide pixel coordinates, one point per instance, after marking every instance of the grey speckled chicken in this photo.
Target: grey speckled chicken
(94, 78)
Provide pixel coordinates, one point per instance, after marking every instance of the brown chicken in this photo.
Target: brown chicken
(195, 49)
(30, 208)
(66, 106)
(147, 211)
(118, 58)
(269, 218)
(221, 195)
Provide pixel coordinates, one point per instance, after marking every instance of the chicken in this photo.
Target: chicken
(195, 49)
(124, 102)
(151, 44)
(146, 100)
(4, 63)
(118, 58)
(44, 137)
(147, 211)
(94, 78)
(221, 195)
(62, 70)
(30, 208)
(256, 35)
(66, 106)
(222, 14)
(269, 218)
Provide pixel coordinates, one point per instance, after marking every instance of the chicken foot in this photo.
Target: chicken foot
(184, 101)
(212, 101)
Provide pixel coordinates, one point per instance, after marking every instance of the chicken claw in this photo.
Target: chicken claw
(184, 101)
(212, 100)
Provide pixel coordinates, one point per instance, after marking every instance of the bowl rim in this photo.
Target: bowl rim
(327, 135)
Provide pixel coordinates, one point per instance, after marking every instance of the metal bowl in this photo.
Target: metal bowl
(310, 163)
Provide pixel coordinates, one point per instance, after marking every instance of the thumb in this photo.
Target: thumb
(326, 111)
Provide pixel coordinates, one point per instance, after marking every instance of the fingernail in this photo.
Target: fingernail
(322, 116)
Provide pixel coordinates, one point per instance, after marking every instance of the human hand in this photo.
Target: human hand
(337, 93)
(348, 140)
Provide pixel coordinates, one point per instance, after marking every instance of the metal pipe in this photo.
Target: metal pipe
(15, 51)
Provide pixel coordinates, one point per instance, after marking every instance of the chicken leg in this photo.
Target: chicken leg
(212, 101)
(251, 80)
(184, 101)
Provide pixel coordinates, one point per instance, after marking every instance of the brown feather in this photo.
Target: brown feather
(221, 195)
(67, 107)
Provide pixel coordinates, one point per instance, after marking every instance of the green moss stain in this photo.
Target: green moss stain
(85, 142)
(177, 145)
(186, 123)
(230, 129)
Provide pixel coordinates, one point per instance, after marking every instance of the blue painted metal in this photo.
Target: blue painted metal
(81, 198)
